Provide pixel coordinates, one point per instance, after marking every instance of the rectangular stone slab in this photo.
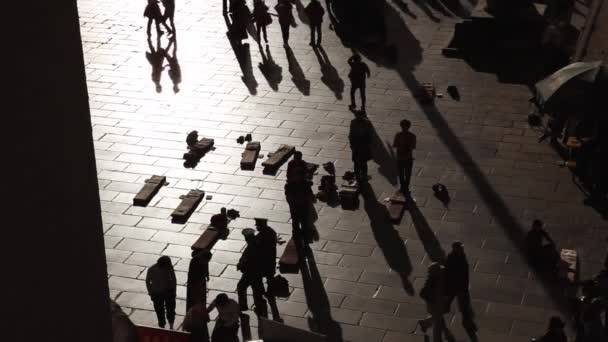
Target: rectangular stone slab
(289, 262)
(145, 195)
(279, 157)
(207, 240)
(189, 203)
(250, 156)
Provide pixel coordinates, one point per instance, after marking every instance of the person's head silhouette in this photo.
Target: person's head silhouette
(405, 125)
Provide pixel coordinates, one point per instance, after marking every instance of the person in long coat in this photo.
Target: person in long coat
(161, 284)
(198, 275)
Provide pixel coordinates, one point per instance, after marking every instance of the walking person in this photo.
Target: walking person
(169, 14)
(262, 19)
(433, 294)
(267, 241)
(360, 137)
(250, 267)
(153, 13)
(195, 322)
(162, 285)
(457, 286)
(227, 324)
(405, 143)
(198, 275)
(359, 72)
(315, 13)
(284, 11)
(298, 193)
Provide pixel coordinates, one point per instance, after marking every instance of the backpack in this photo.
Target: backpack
(279, 287)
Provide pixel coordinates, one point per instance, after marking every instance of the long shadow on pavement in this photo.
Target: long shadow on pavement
(387, 237)
(432, 246)
(330, 76)
(297, 75)
(243, 56)
(382, 155)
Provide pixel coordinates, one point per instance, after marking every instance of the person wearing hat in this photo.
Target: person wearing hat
(267, 241)
(250, 266)
(555, 332)
(433, 293)
(457, 286)
(198, 275)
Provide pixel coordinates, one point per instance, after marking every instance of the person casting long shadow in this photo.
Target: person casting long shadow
(330, 76)
(271, 70)
(156, 57)
(387, 237)
(297, 75)
(236, 23)
(175, 71)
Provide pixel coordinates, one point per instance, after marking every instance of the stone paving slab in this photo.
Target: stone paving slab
(480, 147)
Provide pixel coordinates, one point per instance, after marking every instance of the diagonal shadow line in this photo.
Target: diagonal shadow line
(432, 246)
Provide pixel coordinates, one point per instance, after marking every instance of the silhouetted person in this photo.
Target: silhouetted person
(153, 13)
(241, 17)
(284, 11)
(433, 293)
(169, 14)
(198, 275)
(175, 71)
(262, 19)
(360, 137)
(156, 57)
(588, 314)
(457, 286)
(220, 220)
(405, 143)
(195, 322)
(543, 255)
(359, 72)
(315, 13)
(299, 195)
(162, 285)
(555, 332)
(267, 241)
(227, 325)
(251, 268)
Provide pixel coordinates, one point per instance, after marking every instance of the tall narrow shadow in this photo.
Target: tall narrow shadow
(330, 76)
(297, 75)
(175, 71)
(243, 56)
(387, 237)
(271, 70)
(316, 296)
(156, 57)
(425, 233)
(382, 155)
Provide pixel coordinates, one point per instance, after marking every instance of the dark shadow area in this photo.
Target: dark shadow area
(359, 22)
(301, 12)
(387, 237)
(271, 70)
(405, 8)
(455, 7)
(156, 57)
(437, 5)
(330, 76)
(422, 4)
(316, 296)
(297, 75)
(245, 326)
(425, 233)
(242, 54)
(382, 154)
(175, 71)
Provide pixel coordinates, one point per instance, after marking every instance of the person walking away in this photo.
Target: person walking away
(299, 194)
(315, 13)
(359, 72)
(262, 19)
(198, 275)
(433, 294)
(360, 137)
(152, 12)
(162, 285)
(457, 286)
(195, 322)
(169, 14)
(267, 241)
(405, 143)
(250, 267)
(227, 325)
(284, 11)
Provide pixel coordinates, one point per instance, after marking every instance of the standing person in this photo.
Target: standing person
(198, 275)
(241, 17)
(284, 11)
(162, 285)
(405, 143)
(249, 265)
(262, 19)
(433, 294)
(299, 194)
(315, 13)
(195, 322)
(169, 6)
(359, 72)
(267, 240)
(227, 325)
(360, 137)
(152, 12)
(457, 286)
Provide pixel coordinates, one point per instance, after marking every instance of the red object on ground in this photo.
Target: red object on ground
(150, 334)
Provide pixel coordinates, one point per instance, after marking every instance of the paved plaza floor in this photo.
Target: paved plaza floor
(481, 147)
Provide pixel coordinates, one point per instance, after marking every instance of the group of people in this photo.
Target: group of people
(154, 14)
(257, 262)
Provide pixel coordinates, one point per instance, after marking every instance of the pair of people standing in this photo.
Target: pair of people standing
(154, 14)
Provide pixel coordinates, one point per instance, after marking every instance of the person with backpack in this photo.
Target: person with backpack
(359, 72)
(262, 19)
(162, 286)
(284, 11)
(360, 138)
(315, 13)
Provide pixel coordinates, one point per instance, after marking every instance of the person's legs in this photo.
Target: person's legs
(353, 88)
(400, 175)
(362, 90)
(170, 306)
(259, 30)
(285, 33)
(363, 169)
(312, 34)
(319, 34)
(265, 33)
(148, 30)
(356, 167)
(241, 289)
(157, 22)
(407, 172)
(159, 308)
(257, 287)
